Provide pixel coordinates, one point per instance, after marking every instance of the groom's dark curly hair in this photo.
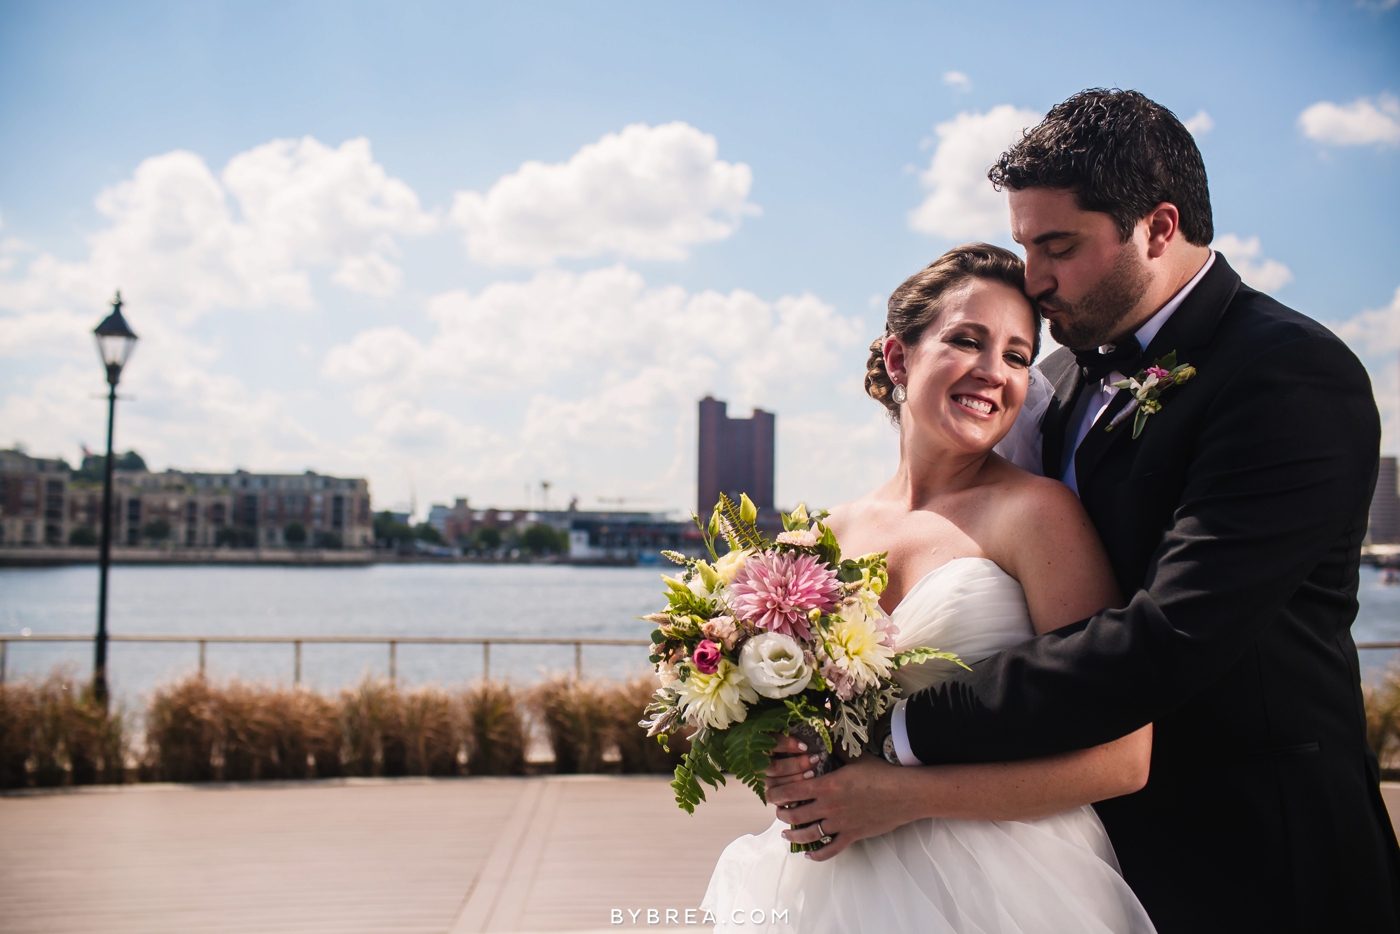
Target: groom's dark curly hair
(1120, 153)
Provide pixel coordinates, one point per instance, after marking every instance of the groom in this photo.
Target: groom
(1234, 524)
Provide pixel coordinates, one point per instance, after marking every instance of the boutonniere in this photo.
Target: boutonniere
(1147, 388)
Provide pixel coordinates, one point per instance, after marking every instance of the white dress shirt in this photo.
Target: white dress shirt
(1099, 399)
(1100, 396)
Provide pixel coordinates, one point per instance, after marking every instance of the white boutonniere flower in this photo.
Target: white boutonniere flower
(1147, 388)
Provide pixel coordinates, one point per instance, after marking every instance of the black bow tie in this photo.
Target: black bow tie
(1124, 359)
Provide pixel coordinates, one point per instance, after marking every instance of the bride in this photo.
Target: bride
(981, 555)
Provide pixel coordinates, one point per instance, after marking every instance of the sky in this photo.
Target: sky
(463, 249)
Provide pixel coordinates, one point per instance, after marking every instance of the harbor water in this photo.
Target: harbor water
(383, 600)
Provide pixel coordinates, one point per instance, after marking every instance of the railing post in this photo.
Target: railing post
(486, 661)
(296, 670)
(393, 662)
(201, 657)
(578, 660)
(4, 646)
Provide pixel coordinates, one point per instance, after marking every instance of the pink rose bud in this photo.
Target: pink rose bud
(1158, 372)
(706, 657)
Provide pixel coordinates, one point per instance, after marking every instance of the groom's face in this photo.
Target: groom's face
(1085, 279)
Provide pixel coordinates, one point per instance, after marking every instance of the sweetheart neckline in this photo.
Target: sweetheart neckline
(921, 581)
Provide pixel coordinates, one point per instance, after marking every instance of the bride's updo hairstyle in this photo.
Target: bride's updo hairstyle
(917, 302)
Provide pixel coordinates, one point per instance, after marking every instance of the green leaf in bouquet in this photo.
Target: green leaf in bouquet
(849, 572)
(703, 763)
(827, 547)
(748, 746)
(801, 710)
(739, 532)
(923, 654)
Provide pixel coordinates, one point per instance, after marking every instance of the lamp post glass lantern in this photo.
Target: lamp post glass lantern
(115, 342)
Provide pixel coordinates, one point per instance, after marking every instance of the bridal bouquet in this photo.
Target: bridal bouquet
(774, 637)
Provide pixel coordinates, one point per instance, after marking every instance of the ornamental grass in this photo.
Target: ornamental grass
(493, 730)
(1383, 721)
(578, 720)
(197, 730)
(637, 752)
(56, 733)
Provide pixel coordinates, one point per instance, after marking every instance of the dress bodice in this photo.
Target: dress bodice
(969, 606)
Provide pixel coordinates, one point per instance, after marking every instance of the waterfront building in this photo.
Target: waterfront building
(1384, 528)
(460, 522)
(735, 456)
(42, 502)
(626, 537)
(33, 499)
(241, 509)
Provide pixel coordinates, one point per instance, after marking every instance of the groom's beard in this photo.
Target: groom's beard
(1094, 320)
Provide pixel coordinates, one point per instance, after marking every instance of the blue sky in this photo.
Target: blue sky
(403, 309)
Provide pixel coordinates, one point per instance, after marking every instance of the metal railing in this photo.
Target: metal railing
(393, 642)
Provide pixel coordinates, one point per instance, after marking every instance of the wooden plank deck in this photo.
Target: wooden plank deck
(458, 856)
(379, 857)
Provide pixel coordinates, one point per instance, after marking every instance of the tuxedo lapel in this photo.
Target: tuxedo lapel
(1194, 323)
(1190, 326)
(1066, 376)
(1097, 442)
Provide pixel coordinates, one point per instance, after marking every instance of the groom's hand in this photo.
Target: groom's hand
(864, 799)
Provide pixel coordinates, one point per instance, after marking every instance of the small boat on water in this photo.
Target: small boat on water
(1390, 575)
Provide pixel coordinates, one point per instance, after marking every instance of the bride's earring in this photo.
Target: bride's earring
(899, 395)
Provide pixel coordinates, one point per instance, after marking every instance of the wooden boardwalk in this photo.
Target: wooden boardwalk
(447, 857)
(378, 857)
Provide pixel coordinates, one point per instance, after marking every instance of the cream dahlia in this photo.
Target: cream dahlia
(859, 648)
(716, 700)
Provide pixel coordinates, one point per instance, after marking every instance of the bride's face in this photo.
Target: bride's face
(966, 377)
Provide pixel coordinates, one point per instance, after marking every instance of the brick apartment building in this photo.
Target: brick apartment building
(41, 503)
(735, 456)
(33, 497)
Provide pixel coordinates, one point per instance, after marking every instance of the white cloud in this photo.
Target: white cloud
(1359, 123)
(644, 193)
(962, 204)
(589, 379)
(1374, 332)
(1247, 258)
(180, 242)
(310, 204)
(1200, 124)
(957, 81)
(585, 377)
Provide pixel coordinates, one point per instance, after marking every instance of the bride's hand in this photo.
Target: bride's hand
(862, 800)
(795, 767)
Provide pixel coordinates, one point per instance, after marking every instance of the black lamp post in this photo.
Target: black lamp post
(115, 341)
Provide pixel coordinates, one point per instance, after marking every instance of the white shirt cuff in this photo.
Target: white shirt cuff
(900, 735)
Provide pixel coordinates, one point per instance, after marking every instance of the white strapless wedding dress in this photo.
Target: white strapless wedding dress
(1050, 876)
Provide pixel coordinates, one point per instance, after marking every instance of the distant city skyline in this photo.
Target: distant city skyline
(459, 250)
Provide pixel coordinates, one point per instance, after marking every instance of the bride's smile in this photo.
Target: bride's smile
(965, 375)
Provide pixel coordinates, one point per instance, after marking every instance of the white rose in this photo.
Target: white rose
(773, 664)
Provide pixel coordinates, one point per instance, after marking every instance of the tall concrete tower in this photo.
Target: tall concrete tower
(1385, 506)
(736, 456)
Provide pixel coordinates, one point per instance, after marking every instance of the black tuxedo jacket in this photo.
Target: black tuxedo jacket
(1234, 523)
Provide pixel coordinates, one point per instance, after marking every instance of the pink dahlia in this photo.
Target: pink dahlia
(775, 592)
